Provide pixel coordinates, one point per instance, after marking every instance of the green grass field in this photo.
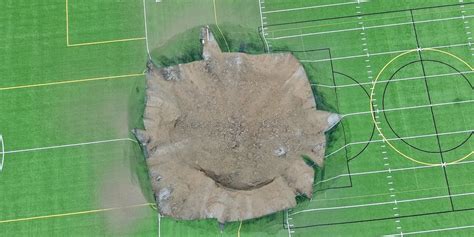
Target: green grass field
(94, 118)
(72, 89)
(422, 105)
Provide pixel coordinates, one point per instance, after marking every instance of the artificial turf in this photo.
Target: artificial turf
(344, 54)
(365, 189)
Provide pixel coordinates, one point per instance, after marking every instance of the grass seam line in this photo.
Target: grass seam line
(70, 81)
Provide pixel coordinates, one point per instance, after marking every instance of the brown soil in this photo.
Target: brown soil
(225, 135)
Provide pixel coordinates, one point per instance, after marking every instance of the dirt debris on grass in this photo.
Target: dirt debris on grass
(224, 136)
(119, 188)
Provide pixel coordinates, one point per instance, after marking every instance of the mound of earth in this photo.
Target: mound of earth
(225, 136)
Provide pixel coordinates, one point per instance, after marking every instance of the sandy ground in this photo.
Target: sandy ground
(225, 135)
(119, 188)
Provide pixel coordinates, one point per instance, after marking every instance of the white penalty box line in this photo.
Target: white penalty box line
(392, 170)
(398, 169)
(396, 202)
(393, 80)
(431, 231)
(363, 28)
(396, 139)
(313, 7)
(380, 53)
(68, 145)
(3, 152)
(408, 108)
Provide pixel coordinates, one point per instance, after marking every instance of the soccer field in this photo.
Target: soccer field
(71, 90)
(400, 73)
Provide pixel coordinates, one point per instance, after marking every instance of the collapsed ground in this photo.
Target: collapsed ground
(225, 136)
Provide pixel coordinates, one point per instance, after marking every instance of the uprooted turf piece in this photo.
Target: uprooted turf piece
(225, 135)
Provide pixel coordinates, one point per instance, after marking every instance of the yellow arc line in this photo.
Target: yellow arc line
(69, 82)
(217, 24)
(75, 213)
(372, 89)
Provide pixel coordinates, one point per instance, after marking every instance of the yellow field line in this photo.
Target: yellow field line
(75, 213)
(372, 112)
(106, 42)
(217, 24)
(240, 227)
(69, 82)
(92, 43)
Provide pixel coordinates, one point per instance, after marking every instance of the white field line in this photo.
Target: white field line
(393, 80)
(68, 145)
(395, 139)
(263, 26)
(431, 231)
(391, 170)
(409, 107)
(358, 197)
(310, 7)
(380, 53)
(146, 30)
(159, 224)
(3, 152)
(382, 203)
(294, 29)
(288, 223)
(370, 27)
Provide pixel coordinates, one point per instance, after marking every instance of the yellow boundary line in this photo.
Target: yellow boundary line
(92, 43)
(70, 81)
(76, 213)
(240, 227)
(106, 42)
(217, 24)
(373, 114)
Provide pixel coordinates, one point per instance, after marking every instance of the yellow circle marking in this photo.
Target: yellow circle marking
(373, 114)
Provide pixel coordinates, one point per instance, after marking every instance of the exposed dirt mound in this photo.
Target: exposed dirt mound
(225, 135)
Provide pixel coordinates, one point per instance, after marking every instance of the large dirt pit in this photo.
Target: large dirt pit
(225, 136)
